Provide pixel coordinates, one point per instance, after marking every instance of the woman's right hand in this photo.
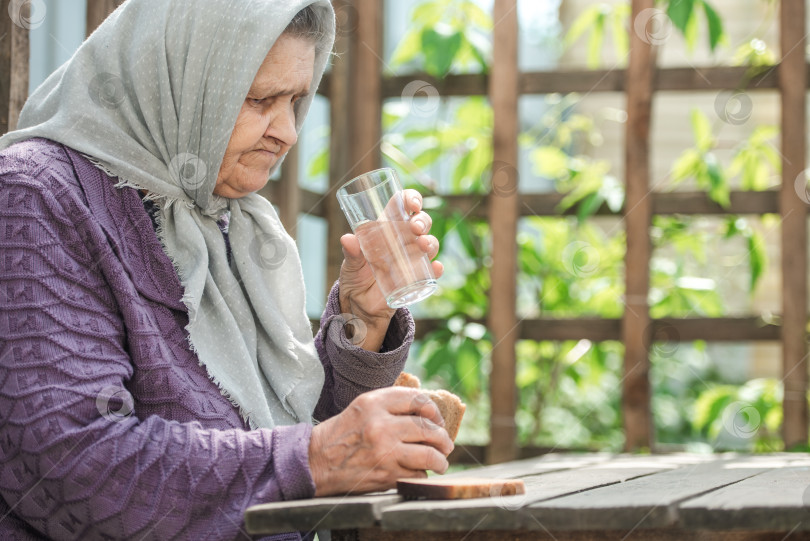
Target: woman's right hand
(384, 435)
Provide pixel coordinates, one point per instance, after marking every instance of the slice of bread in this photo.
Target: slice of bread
(450, 406)
(459, 488)
(452, 409)
(407, 380)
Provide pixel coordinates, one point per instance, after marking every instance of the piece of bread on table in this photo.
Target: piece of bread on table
(450, 406)
(459, 488)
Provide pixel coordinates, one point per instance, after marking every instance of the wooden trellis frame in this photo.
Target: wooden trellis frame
(636, 329)
(356, 89)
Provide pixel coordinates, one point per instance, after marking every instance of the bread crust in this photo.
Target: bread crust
(450, 406)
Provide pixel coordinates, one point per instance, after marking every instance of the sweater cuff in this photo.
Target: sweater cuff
(356, 364)
(291, 461)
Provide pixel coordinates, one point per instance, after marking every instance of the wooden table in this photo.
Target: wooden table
(582, 498)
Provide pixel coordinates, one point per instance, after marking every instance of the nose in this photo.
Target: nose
(282, 127)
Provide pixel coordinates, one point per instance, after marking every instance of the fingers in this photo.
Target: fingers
(428, 244)
(352, 255)
(412, 456)
(351, 246)
(421, 223)
(438, 268)
(412, 200)
(415, 429)
(403, 401)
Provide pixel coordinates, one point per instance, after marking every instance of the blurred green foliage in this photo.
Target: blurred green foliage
(572, 266)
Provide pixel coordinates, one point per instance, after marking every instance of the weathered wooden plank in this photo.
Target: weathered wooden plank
(691, 203)
(503, 219)
(775, 500)
(648, 502)
(468, 454)
(97, 11)
(340, 141)
(313, 203)
(14, 52)
(663, 203)
(713, 329)
(667, 329)
(377, 534)
(636, 328)
(505, 512)
(467, 84)
(318, 513)
(548, 204)
(365, 90)
(532, 466)
(288, 197)
(589, 81)
(793, 206)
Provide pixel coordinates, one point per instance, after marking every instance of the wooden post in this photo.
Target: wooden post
(636, 327)
(793, 210)
(366, 87)
(14, 51)
(340, 121)
(288, 195)
(503, 218)
(355, 98)
(97, 11)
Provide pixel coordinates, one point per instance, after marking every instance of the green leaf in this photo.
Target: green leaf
(468, 367)
(690, 33)
(716, 33)
(550, 162)
(719, 190)
(621, 39)
(477, 16)
(581, 24)
(466, 237)
(589, 206)
(757, 258)
(439, 357)
(680, 12)
(709, 406)
(685, 166)
(408, 49)
(595, 41)
(702, 130)
(439, 50)
(479, 56)
(429, 13)
(427, 157)
(320, 164)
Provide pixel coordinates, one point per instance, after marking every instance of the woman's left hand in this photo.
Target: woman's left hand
(359, 293)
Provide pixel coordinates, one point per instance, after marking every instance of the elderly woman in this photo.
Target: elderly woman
(158, 373)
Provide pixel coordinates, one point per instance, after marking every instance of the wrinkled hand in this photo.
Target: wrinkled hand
(359, 293)
(384, 435)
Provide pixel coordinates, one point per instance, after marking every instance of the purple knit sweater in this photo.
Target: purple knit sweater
(109, 426)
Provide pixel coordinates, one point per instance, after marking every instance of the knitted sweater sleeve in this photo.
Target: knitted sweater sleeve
(76, 461)
(351, 370)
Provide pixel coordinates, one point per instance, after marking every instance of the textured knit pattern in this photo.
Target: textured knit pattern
(109, 426)
(153, 95)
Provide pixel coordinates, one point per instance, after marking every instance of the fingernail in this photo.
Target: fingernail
(415, 201)
(421, 224)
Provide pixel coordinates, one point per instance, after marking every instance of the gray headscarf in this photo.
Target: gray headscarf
(152, 98)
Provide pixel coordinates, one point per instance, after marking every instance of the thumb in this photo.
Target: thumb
(351, 251)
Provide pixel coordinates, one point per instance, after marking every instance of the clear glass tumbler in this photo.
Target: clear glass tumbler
(374, 205)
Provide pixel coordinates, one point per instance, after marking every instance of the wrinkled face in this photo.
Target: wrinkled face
(265, 127)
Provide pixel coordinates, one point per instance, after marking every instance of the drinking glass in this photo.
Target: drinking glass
(374, 205)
